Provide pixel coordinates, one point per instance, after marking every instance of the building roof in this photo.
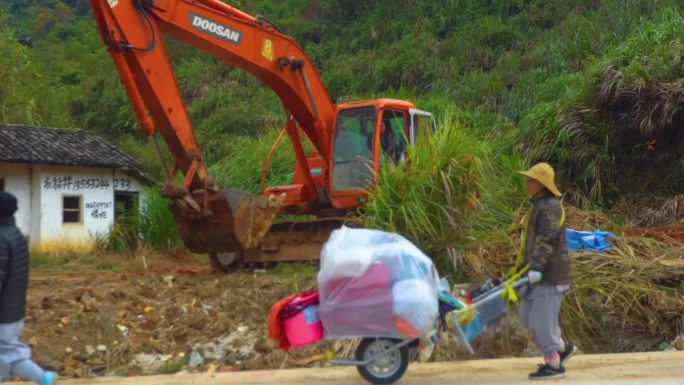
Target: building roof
(61, 146)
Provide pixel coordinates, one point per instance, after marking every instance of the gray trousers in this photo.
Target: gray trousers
(15, 356)
(539, 309)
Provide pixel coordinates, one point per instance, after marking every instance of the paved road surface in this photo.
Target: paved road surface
(619, 369)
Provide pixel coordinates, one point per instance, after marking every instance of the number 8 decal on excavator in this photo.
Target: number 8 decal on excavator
(267, 49)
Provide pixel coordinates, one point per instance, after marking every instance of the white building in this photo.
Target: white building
(71, 185)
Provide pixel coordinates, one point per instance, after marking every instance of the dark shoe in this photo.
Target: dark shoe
(548, 372)
(566, 354)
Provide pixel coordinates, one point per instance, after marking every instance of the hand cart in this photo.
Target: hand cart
(382, 360)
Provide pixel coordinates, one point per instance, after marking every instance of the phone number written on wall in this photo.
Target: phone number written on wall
(74, 184)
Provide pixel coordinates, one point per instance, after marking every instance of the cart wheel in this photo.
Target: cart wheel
(386, 369)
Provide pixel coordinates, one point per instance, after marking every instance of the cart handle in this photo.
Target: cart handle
(456, 315)
(488, 297)
(507, 282)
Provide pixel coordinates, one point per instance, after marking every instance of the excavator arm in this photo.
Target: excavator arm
(212, 220)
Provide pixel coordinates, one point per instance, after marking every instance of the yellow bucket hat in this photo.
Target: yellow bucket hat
(544, 174)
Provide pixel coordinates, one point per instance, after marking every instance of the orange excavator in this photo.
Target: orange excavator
(338, 148)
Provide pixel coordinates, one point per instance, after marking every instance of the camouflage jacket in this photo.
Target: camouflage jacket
(545, 246)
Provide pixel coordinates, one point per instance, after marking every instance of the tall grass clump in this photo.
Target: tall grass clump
(456, 186)
(123, 236)
(150, 226)
(156, 225)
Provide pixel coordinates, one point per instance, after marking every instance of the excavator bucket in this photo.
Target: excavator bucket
(227, 221)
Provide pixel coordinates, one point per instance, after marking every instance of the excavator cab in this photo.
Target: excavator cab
(365, 134)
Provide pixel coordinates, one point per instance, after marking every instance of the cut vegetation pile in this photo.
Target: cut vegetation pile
(628, 298)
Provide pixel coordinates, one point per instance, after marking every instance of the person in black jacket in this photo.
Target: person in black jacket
(15, 356)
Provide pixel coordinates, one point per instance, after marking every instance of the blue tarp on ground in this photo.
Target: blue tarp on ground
(592, 240)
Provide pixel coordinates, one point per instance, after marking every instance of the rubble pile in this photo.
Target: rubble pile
(120, 324)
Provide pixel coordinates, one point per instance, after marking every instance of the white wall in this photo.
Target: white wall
(96, 188)
(18, 182)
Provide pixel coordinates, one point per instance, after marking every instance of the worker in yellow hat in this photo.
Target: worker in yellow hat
(545, 250)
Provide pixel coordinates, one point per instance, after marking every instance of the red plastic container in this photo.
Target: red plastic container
(301, 323)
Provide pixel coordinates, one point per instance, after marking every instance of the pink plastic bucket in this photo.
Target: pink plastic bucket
(304, 328)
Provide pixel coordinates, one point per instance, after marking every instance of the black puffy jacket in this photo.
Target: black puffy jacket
(14, 270)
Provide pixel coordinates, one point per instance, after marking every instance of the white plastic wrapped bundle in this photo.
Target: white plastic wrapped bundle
(376, 284)
(409, 296)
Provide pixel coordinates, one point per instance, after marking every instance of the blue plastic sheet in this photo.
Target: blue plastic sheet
(592, 240)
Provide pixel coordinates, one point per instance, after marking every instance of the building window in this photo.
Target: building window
(2, 184)
(71, 209)
(125, 202)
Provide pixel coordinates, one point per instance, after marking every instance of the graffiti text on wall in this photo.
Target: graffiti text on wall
(77, 184)
(122, 184)
(98, 210)
(69, 183)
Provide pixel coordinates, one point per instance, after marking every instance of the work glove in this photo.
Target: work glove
(535, 276)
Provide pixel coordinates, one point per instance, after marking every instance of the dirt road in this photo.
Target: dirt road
(620, 369)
